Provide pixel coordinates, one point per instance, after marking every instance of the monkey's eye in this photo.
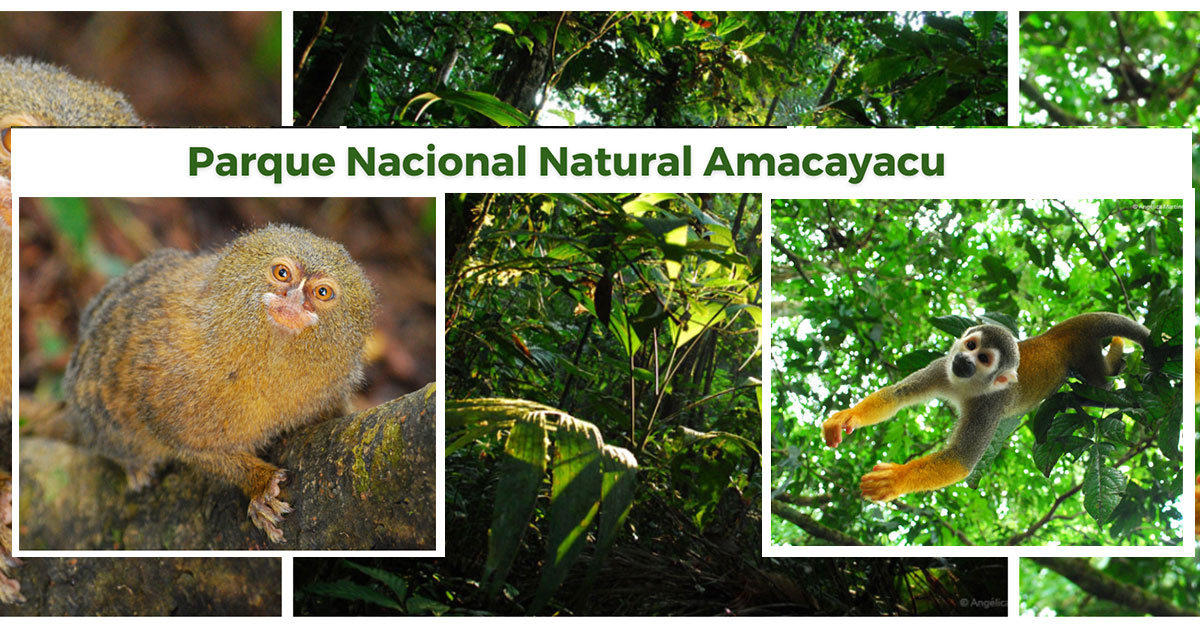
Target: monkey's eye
(281, 273)
(971, 345)
(323, 292)
(6, 138)
(985, 358)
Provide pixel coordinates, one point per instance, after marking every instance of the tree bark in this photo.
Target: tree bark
(362, 481)
(326, 88)
(149, 586)
(1096, 582)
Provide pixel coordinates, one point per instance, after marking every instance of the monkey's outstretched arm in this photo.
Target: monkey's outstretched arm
(883, 404)
(976, 426)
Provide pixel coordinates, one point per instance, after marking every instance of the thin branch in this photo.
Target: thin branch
(810, 525)
(1107, 261)
(1056, 113)
(554, 78)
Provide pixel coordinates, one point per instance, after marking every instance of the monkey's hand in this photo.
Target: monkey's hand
(10, 589)
(884, 483)
(887, 481)
(842, 422)
(266, 510)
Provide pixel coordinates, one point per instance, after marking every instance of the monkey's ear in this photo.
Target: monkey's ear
(1004, 379)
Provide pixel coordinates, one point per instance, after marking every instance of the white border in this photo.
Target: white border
(286, 36)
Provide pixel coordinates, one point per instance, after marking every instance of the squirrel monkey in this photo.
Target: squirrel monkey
(988, 376)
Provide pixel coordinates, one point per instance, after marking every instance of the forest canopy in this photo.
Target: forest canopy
(651, 68)
(865, 292)
(1110, 68)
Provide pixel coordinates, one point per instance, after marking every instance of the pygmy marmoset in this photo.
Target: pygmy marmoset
(205, 358)
(33, 93)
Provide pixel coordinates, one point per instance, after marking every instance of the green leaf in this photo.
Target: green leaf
(521, 472)
(1102, 487)
(574, 501)
(345, 589)
(852, 108)
(985, 19)
(677, 237)
(953, 324)
(418, 605)
(883, 71)
(620, 479)
(393, 581)
(950, 26)
(501, 26)
(497, 110)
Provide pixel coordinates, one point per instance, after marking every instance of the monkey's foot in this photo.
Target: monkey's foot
(139, 477)
(837, 424)
(883, 483)
(266, 510)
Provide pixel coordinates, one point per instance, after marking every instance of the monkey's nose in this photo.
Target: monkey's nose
(963, 366)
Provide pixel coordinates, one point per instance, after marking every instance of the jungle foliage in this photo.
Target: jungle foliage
(621, 335)
(1109, 587)
(865, 292)
(1112, 69)
(650, 68)
(603, 426)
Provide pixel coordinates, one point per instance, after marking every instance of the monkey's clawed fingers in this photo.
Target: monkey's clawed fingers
(836, 425)
(266, 510)
(882, 483)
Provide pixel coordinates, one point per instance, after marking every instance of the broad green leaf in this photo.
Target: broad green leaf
(852, 108)
(574, 501)
(620, 482)
(391, 580)
(985, 19)
(1102, 487)
(883, 70)
(950, 26)
(953, 324)
(498, 111)
(677, 237)
(521, 472)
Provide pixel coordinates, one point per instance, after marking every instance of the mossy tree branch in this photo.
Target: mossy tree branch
(363, 481)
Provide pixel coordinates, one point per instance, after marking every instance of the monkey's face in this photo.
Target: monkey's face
(297, 285)
(986, 355)
(298, 296)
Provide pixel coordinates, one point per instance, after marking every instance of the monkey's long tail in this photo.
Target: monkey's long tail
(1113, 325)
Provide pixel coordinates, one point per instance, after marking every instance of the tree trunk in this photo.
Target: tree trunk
(326, 88)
